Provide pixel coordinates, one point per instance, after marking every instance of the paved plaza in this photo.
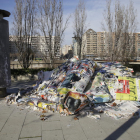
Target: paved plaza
(18, 123)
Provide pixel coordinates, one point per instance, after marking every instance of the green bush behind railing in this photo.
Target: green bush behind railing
(17, 72)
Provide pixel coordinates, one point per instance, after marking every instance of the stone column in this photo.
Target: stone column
(5, 74)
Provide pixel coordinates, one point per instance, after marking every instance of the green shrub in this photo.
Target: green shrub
(16, 72)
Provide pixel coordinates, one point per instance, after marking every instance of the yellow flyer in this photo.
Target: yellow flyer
(128, 89)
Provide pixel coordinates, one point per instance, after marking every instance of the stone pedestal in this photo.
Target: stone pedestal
(5, 74)
(3, 92)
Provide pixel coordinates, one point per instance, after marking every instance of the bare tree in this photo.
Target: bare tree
(51, 26)
(79, 24)
(24, 29)
(120, 26)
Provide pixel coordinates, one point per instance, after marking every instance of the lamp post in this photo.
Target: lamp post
(5, 74)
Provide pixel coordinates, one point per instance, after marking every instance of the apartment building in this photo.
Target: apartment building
(38, 45)
(101, 44)
(96, 44)
(137, 44)
(65, 49)
(35, 44)
(89, 44)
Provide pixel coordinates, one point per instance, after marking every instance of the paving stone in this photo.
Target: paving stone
(31, 127)
(52, 116)
(13, 126)
(134, 131)
(31, 138)
(72, 127)
(52, 135)
(114, 129)
(131, 127)
(53, 125)
(92, 129)
(5, 113)
(66, 118)
(75, 136)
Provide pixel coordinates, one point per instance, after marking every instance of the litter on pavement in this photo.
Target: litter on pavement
(82, 86)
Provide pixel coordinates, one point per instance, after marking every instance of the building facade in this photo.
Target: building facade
(39, 45)
(89, 44)
(75, 46)
(65, 49)
(137, 43)
(96, 44)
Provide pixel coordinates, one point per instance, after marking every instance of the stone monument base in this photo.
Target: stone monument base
(3, 92)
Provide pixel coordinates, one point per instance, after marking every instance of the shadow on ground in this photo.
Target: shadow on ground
(122, 129)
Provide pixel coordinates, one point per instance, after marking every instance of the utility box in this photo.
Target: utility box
(5, 74)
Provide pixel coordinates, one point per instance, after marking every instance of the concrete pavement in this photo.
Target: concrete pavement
(17, 123)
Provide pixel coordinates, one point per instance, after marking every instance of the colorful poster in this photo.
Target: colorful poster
(98, 92)
(123, 87)
(74, 102)
(130, 89)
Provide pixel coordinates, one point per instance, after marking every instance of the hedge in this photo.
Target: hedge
(16, 72)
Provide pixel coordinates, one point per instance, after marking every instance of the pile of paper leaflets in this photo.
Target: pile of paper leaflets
(77, 85)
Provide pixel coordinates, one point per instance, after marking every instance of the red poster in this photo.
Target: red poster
(123, 87)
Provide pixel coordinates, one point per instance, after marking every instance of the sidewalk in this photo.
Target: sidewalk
(25, 124)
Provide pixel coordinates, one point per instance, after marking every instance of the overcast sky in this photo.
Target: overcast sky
(94, 9)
